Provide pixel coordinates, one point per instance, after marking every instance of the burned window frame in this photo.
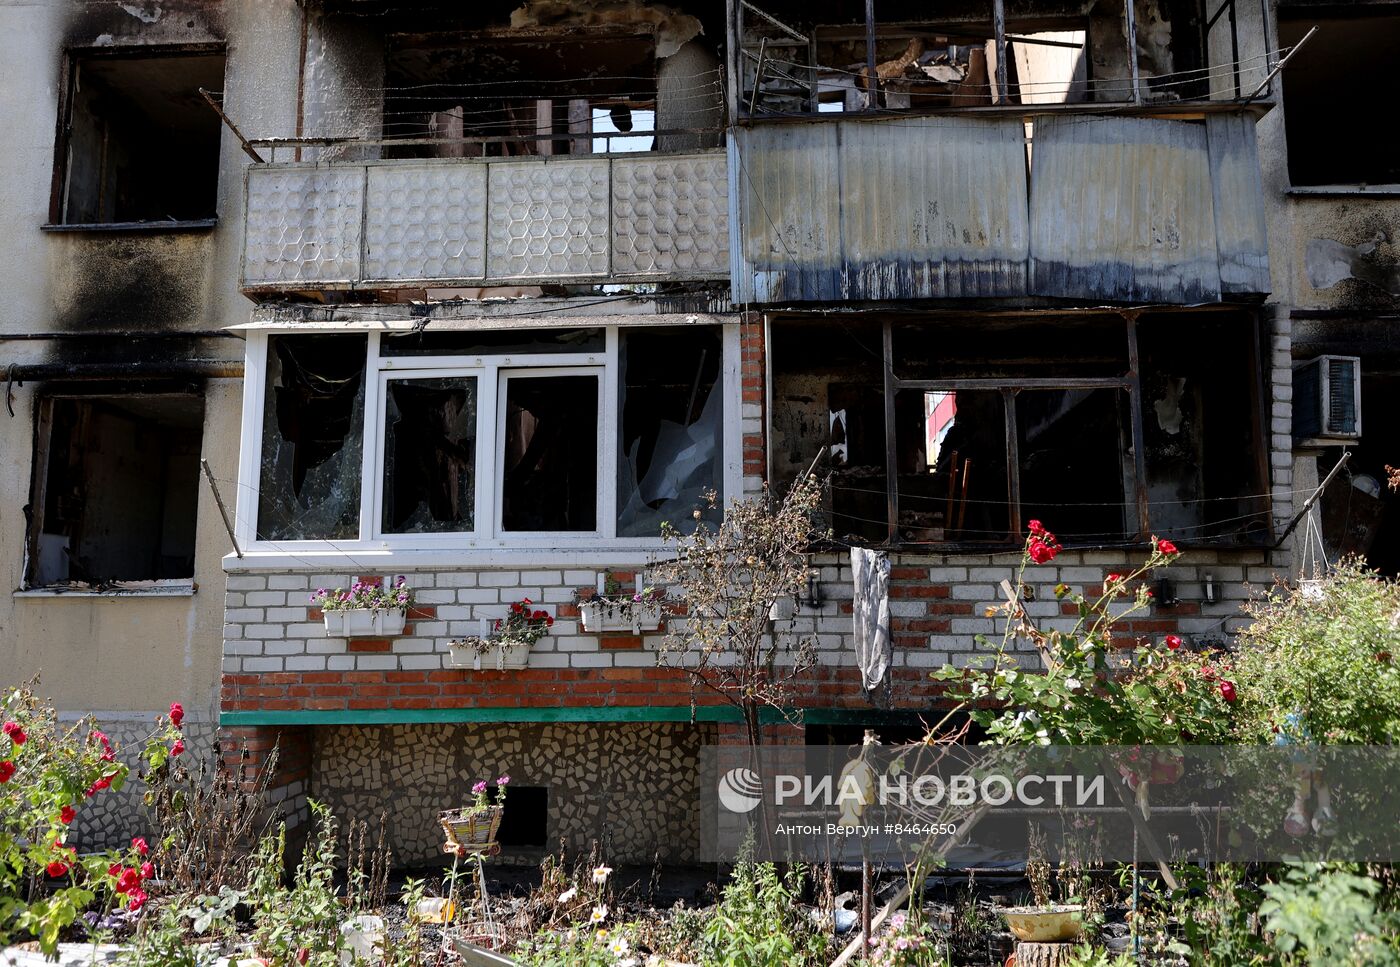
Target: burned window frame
(70, 61)
(1130, 383)
(492, 370)
(42, 453)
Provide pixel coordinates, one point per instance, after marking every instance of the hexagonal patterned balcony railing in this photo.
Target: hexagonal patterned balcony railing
(397, 224)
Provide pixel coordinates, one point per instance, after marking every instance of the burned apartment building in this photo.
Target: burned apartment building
(482, 295)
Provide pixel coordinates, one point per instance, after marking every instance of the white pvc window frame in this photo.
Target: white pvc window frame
(491, 371)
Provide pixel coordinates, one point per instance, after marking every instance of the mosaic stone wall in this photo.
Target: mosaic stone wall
(630, 787)
(111, 818)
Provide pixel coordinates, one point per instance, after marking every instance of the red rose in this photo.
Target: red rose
(66, 814)
(1112, 579)
(1227, 690)
(57, 868)
(177, 714)
(128, 881)
(138, 843)
(16, 734)
(136, 899)
(1036, 527)
(115, 870)
(147, 871)
(178, 747)
(1167, 547)
(1041, 552)
(1173, 642)
(7, 769)
(549, 622)
(517, 607)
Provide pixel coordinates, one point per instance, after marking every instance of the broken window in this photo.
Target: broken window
(996, 421)
(671, 416)
(1330, 90)
(312, 438)
(138, 142)
(116, 489)
(1201, 428)
(480, 342)
(429, 455)
(549, 448)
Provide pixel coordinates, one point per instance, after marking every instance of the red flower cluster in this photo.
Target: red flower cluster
(67, 856)
(7, 769)
(104, 783)
(1042, 546)
(15, 734)
(1167, 547)
(99, 736)
(66, 815)
(130, 881)
(522, 608)
(177, 714)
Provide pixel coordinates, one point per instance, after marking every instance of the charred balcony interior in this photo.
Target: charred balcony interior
(955, 430)
(546, 149)
(900, 57)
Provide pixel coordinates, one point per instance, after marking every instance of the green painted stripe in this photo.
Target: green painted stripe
(592, 713)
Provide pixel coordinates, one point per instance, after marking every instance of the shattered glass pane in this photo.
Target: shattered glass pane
(313, 437)
(670, 448)
(430, 455)
(476, 342)
(550, 454)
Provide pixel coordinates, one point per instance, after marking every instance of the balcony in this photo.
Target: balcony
(464, 222)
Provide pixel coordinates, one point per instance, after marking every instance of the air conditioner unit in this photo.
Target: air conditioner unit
(1327, 399)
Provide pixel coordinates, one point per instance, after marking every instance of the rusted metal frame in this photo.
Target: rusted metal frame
(275, 143)
(1130, 20)
(58, 192)
(1135, 421)
(999, 41)
(1262, 435)
(1013, 457)
(792, 32)
(998, 383)
(39, 483)
(247, 146)
(1234, 36)
(873, 101)
(891, 453)
(735, 26)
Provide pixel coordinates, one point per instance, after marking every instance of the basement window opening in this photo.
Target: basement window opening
(137, 143)
(525, 822)
(115, 492)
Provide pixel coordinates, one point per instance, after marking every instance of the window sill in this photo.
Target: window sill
(1330, 191)
(362, 561)
(189, 225)
(122, 589)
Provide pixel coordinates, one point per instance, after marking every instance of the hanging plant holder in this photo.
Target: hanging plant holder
(362, 623)
(471, 828)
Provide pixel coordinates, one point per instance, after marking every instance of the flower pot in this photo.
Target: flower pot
(633, 616)
(1052, 924)
(470, 828)
(505, 656)
(361, 622)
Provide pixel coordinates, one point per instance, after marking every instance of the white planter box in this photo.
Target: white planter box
(500, 658)
(620, 616)
(361, 622)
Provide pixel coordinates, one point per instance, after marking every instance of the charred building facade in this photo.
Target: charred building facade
(485, 297)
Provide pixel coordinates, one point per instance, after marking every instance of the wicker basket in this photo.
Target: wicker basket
(471, 828)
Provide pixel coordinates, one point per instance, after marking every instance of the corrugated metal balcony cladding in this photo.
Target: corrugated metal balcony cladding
(1105, 208)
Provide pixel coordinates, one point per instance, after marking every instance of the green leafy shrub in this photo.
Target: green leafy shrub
(1324, 665)
(758, 923)
(299, 924)
(1328, 918)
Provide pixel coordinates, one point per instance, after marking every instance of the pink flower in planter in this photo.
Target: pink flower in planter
(503, 781)
(480, 788)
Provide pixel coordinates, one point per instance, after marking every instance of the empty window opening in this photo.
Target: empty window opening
(139, 144)
(492, 341)
(117, 482)
(430, 455)
(313, 438)
(672, 415)
(999, 421)
(1332, 135)
(550, 446)
(525, 821)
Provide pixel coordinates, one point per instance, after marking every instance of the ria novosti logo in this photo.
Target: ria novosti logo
(740, 790)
